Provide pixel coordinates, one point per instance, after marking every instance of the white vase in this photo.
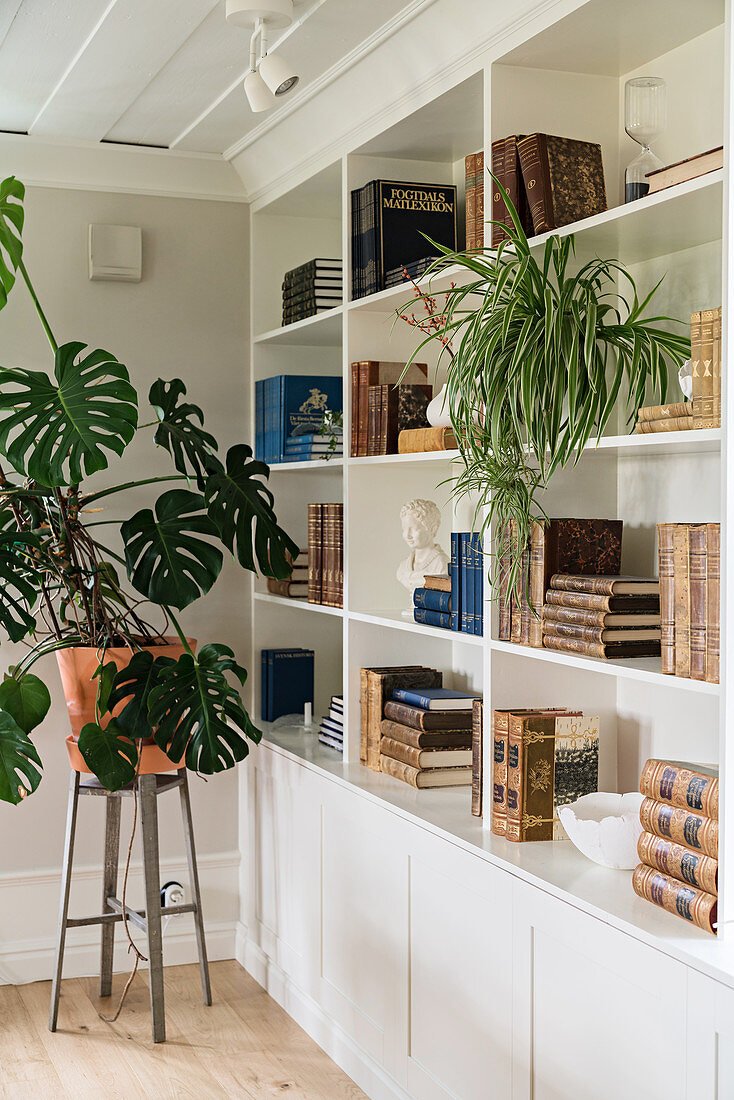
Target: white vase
(437, 411)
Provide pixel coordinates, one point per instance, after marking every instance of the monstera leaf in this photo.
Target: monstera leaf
(11, 227)
(56, 431)
(194, 709)
(26, 700)
(19, 761)
(185, 440)
(236, 500)
(18, 584)
(166, 559)
(109, 754)
(135, 683)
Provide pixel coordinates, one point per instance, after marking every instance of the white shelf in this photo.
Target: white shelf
(387, 301)
(323, 330)
(309, 464)
(646, 669)
(395, 620)
(299, 605)
(407, 459)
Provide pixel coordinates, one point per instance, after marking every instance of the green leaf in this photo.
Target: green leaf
(109, 754)
(26, 700)
(105, 674)
(19, 761)
(18, 584)
(12, 193)
(134, 682)
(185, 440)
(56, 432)
(236, 500)
(166, 559)
(195, 710)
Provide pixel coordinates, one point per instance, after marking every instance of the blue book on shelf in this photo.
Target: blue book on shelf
(432, 618)
(435, 698)
(301, 401)
(290, 680)
(259, 418)
(315, 437)
(431, 600)
(467, 589)
(264, 685)
(454, 573)
(478, 559)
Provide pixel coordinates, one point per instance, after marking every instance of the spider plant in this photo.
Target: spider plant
(539, 353)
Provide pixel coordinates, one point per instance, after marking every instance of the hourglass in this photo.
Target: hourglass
(644, 120)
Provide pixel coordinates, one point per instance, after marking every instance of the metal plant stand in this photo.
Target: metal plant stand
(149, 787)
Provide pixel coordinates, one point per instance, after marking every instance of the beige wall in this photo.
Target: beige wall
(188, 318)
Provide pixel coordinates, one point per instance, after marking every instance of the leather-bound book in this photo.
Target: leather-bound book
(354, 426)
(426, 739)
(470, 199)
(374, 413)
(498, 206)
(373, 372)
(476, 759)
(676, 897)
(681, 786)
(694, 831)
(429, 777)
(666, 574)
(380, 688)
(697, 599)
(500, 736)
(598, 585)
(439, 757)
(364, 700)
(708, 320)
(717, 368)
(696, 370)
(564, 179)
(679, 862)
(530, 755)
(417, 440)
(591, 601)
(713, 596)
(682, 601)
(479, 201)
(435, 582)
(315, 562)
(665, 412)
(339, 534)
(606, 651)
(670, 424)
(600, 633)
(575, 763)
(555, 613)
(428, 720)
(290, 589)
(401, 407)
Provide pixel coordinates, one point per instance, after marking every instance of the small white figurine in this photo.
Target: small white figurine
(421, 520)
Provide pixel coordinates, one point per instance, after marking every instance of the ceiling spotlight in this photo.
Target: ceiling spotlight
(258, 94)
(277, 74)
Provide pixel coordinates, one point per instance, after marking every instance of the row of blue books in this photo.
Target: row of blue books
(459, 603)
(287, 682)
(291, 411)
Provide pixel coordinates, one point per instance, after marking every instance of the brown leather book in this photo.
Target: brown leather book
(697, 599)
(682, 599)
(380, 688)
(554, 613)
(601, 633)
(354, 426)
(470, 198)
(694, 831)
(679, 862)
(606, 651)
(588, 601)
(428, 720)
(713, 597)
(498, 206)
(315, 562)
(671, 424)
(530, 754)
(402, 407)
(431, 777)
(374, 403)
(416, 757)
(292, 589)
(418, 440)
(339, 555)
(436, 583)
(426, 739)
(564, 179)
(500, 736)
(708, 317)
(665, 412)
(476, 758)
(479, 200)
(717, 368)
(689, 169)
(696, 370)
(364, 701)
(597, 585)
(526, 614)
(676, 897)
(373, 372)
(504, 607)
(678, 785)
(666, 573)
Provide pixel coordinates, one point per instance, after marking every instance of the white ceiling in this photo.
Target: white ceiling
(157, 72)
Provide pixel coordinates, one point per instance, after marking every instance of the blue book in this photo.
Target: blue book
(290, 681)
(454, 573)
(303, 400)
(478, 585)
(259, 418)
(264, 685)
(432, 618)
(314, 437)
(467, 589)
(431, 600)
(435, 698)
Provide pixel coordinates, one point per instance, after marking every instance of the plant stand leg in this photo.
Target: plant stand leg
(188, 827)
(64, 904)
(109, 889)
(149, 823)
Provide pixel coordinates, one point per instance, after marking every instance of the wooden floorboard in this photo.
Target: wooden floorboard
(243, 1047)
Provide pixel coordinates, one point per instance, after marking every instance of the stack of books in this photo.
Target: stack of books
(391, 410)
(331, 730)
(541, 759)
(326, 554)
(607, 617)
(408, 272)
(372, 374)
(466, 575)
(389, 220)
(426, 737)
(675, 417)
(474, 199)
(311, 288)
(679, 847)
(306, 448)
(287, 682)
(290, 415)
(296, 586)
(689, 570)
(557, 546)
(376, 689)
(551, 181)
(418, 440)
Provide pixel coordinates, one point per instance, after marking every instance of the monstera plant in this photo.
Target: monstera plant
(64, 590)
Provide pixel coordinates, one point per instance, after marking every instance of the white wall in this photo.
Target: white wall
(188, 318)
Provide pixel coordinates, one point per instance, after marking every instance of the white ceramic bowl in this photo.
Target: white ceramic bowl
(605, 827)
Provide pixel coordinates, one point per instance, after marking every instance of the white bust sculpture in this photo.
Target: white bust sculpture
(421, 520)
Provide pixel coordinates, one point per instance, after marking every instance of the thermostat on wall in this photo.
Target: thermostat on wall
(116, 252)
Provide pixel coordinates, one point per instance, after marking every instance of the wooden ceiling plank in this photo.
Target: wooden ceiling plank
(8, 12)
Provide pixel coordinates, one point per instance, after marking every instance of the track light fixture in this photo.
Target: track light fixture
(270, 75)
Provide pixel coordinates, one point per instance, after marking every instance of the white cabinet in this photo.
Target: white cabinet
(710, 1065)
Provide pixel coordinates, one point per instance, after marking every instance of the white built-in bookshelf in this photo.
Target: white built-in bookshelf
(568, 78)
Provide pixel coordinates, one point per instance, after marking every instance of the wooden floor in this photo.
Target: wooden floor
(244, 1046)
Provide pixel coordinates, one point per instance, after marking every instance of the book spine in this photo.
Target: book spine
(574, 645)
(502, 553)
(516, 593)
(554, 629)
(533, 154)
(470, 199)
(401, 731)
(713, 611)
(263, 684)
(697, 588)
(670, 424)
(467, 588)
(432, 618)
(679, 862)
(270, 697)
(455, 574)
(373, 420)
(432, 600)
(681, 581)
(412, 698)
(476, 758)
(525, 612)
(400, 771)
(478, 584)
(538, 537)
(354, 425)
(716, 368)
(500, 734)
(537, 768)
(696, 370)
(682, 787)
(479, 201)
(694, 831)
(593, 586)
(707, 367)
(513, 827)
(339, 523)
(666, 573)
(665, 412)
(581, 601)
(364, 714)
(398, 750)
(554, 615)
(418, 440)
(498, 163)
(675, 897)
(404, 715)
(315, 574)
(374, 720)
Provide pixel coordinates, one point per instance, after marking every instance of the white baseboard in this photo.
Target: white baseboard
(357, 1063)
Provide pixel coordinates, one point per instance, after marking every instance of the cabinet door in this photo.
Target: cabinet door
(710, 1051)
(597, 1013)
